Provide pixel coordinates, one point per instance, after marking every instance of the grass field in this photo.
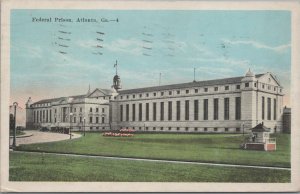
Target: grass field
(39, 167)
(217, 148)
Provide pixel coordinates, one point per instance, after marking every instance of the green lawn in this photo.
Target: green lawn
(39, 167)
(219, 148)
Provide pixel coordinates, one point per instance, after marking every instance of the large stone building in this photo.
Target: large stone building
(223, 105)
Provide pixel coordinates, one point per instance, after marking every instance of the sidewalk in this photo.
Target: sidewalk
(31, 137)
(157, 160)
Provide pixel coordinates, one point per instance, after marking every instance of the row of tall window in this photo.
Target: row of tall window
(96, 110)
(45, 116)
(269, 109)
(178, 92)
(96, 120)
(42, 116)
(178, 105)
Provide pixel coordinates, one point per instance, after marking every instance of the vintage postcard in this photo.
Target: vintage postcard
(144, 96)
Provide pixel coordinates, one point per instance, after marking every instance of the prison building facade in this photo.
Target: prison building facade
(230, 105)
(90, 111)
(223, 105)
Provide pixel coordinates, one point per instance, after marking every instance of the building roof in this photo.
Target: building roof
(58, 99)
(260, 128)
(224, 81)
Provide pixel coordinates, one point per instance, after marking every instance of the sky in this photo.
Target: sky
(54, 59)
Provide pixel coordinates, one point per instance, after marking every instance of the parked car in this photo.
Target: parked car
(44, 129)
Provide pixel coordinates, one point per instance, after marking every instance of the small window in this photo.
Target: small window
(269, 87)
(196, 90)
(238, 129)
(141, 95)
(133, 96)
(147, 95)
(121, 97)
(178, 91)
(103, 127)
(226, 87)
(162, 93)
(154, 128)
(97, 109)
(170, 92)
(178, 128)
(205, 129)
(280, 90)
(263, 86)
(103, 110)
(238, 87)
(187, 91)
(205, 89)
(216, 89)
(97, 127)
(91, 110)
(255, 84)
(74, 109)
(274, 88)
(170, 128)
(127, 96)
(154, 94)
(246, 85)
(91, 128)
(133, 127)
(215, 129)
(147, 128)
(195, 129)
(140, 128)
(115, 97)
(186, 129)
(161, 128)
(226, 129)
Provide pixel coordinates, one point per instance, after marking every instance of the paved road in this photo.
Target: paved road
(162, 161)
(41, 137)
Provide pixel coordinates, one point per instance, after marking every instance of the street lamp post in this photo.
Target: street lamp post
(243, 128)
(15, 104)
(83, 126)
(70, 125)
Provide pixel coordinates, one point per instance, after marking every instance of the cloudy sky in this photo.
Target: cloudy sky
(53, 59)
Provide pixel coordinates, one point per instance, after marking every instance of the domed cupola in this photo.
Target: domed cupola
(249, 73)
(250, 76)
(29, 102)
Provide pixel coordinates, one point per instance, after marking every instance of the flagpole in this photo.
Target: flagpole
(116, 65)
